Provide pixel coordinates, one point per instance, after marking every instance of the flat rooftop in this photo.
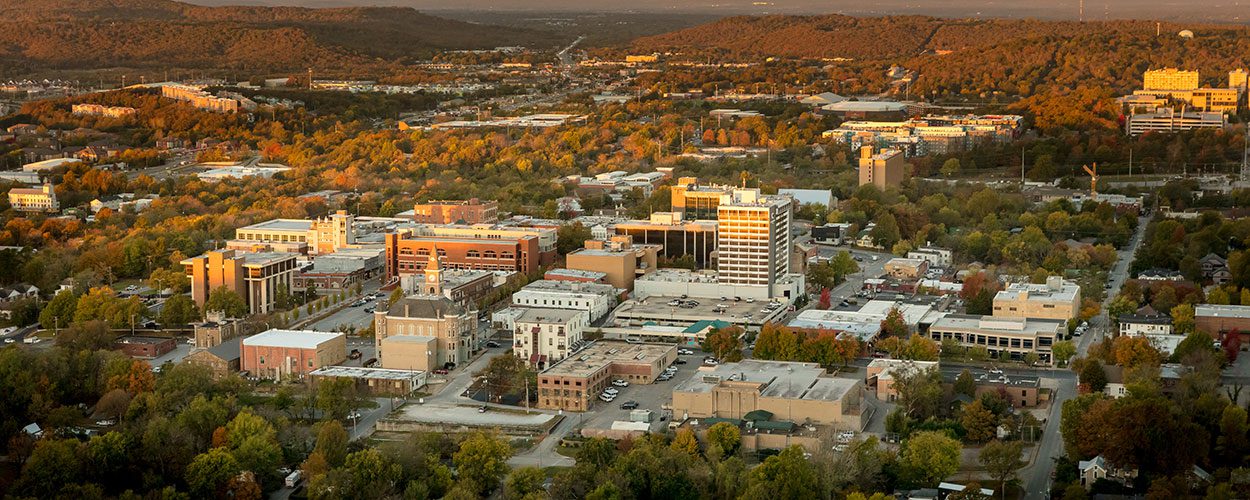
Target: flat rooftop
(597, 355)
(142, 340)
(982, 377)
(1066, 292)
(558, 286)
(264, 258)
(1005, 325)
(777, 379)
(297, 339)
(547, 316)
(468, 415)
(366, 373)
(655, 308)
(279, 225)
(1221, 311)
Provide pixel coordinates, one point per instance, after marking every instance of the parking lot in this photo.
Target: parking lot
(658, 309)
(648, 396)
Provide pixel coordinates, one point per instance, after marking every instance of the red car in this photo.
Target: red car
(440, 371)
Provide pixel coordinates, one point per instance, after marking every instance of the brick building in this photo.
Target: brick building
(408, 251)
(574, 383)
(144, 347)
(471, 211)
(279, 354)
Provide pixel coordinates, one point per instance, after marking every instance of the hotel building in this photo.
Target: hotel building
(753, 238)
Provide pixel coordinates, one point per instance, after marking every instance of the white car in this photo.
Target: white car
(9, 340)
(620, 383)
(711, 361)
(611, 390)
(606, 398)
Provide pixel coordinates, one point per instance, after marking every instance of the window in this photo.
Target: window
(262, 360)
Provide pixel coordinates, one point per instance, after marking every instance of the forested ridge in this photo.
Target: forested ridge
(85, 34)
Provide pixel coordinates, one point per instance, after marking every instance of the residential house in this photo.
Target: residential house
(1215, 268)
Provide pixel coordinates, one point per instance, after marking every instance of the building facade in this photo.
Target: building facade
(1014, 337)
(486, 248)
(791, 392)
(619, 258)
(543, 337)
(884, 169)
(40, 199)
(255, 277)
(575, 383)
(753, 238)
(448, 330)
(315, 236)
(1170, 79)
(594, 300)
(471, 211)
(1057, 299)
(291, 354)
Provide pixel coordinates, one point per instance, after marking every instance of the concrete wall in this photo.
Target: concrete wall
(405, 353)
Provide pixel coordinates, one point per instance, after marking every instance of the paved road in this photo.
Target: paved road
(1036, 477)
(351, 316)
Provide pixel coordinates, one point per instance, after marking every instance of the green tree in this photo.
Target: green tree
(482, 461)
(336, 398)
(930, 457)
(886, 232)
(209, 472)
(1195, 342)
(570, 237)
(1093, 375)
(1063, 350)
(371, 475)
(525, 483)
(965, 384)
(1232, 442)
(332, 442)
(979, 423)
(785, 475)
(725, 438)
(919, 393)
(894, 325)
(53, 464)
(843, 265)
(254, 443)
(225, 300)
(173, 280)
(1183, 319)
(1120, 306)
(950, 168)
(59, 312)
(1002, 461)
(179, 310)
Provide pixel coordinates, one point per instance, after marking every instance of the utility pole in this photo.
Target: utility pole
(1022, 166)
(1082, 11)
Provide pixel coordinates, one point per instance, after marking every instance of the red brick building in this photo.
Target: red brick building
(282, 354)
(144, 347)
(407, 254)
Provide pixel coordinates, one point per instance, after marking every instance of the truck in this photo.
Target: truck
(293, 478)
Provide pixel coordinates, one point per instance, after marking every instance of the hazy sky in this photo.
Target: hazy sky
(1225, 10)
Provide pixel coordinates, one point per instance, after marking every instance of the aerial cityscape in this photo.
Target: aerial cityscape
(535, 250)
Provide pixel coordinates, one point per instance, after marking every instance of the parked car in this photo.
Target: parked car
(492, 344)
(481, 409)
(620, 383)
(680, 362)
(611, 390)
(629, 405)
(355, 354)
(440, 371)
(355, 414)
(710, 361)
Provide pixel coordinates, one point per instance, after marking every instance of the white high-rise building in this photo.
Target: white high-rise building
(753, 238)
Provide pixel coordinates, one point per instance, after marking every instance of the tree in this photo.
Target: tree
(950, 168)
(685, 442)
(525, 483)
(979, 423)
(225, 300)
(371, 474)
(1120, 306)
(919, 392)
(930, 456)
(1183, 319)
(1093, 375)
(113, 404)
(254, 443)
(785, 475)
(725, 343)
(332, 442)
(1063, 350)
(175, 281)
(481, 461)
(209, 472)
(724, 437)
(53, 464)
(894, 325)
(336, 397)
(1193, 343)
(843, 265)
(1134, 351)
(965, 384)
(179, 310)
(570, 237)
(1232, 443)
(59, 312)
(1002, 461)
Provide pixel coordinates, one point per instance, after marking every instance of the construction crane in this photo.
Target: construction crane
(1093, 179)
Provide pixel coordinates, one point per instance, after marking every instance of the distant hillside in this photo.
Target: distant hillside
(83, 34)
(832, 36)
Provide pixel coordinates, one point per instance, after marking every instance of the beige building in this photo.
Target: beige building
(105, 111)
(40, 199)
(1057, 299)
(1238, 79)
(216, 329)
(906, 268)
(1014, 337)
(576, 382)
(696, 201)
(426, 315)
(472, 211)
(256, 277)
(884, 169)
(619, 258)
(1170, 79)
(791, 392)
(753, 239)
(545, 336)
(881, 373)
(315, 236)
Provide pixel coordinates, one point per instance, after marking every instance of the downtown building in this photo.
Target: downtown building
(478, 247)
(753, 238)
(255, 277)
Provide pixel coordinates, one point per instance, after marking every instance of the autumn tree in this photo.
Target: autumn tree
(225, 300)
(978, 422)
(725, 343)
(930, 457)
(1002, 461)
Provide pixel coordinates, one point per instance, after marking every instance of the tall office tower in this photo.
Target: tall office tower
(753, 238)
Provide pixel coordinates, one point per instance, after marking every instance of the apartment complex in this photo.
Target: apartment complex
(1015, 337)
(314, 236)
(791, 392)
(884, 169)
(199, 98)
(695, 201)
(286, 354)
(619, 258)
(1056, 299)
(1170, 79)
(753, 238)
(575, 382)
(481, 247)
(40, 199)
(104, 111)
(256, 277)
(932, 134)
(545, 336)
(472, 211)
(425, 331)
